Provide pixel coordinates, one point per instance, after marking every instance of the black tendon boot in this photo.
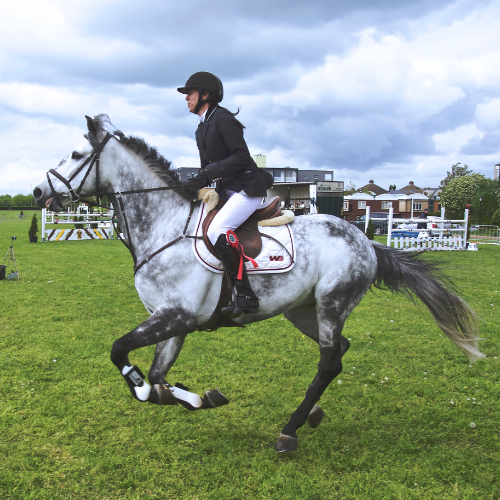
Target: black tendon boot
(245, 300)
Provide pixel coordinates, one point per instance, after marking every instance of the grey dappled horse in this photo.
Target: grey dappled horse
(335, 266)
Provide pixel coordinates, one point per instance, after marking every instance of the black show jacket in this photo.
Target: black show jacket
(225, 157)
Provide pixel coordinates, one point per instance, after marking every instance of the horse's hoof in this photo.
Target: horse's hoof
(286, 443)
(162, 395)
(214, 398)
(315, 416)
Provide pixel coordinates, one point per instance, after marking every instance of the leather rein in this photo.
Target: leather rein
(92, 160)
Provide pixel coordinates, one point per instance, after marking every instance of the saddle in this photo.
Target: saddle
(248, 233)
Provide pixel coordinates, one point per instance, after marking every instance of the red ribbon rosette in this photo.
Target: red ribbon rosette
(232, 239)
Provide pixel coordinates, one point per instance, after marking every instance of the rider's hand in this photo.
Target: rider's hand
(200, 179)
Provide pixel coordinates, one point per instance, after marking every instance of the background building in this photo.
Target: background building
(316, 189)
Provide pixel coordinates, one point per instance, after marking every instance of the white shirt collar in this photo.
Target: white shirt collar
(202, 117)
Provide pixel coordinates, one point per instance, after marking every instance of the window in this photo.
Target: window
(386, 205)
(417, 206)
(278, 176)
(290, 176)
(328, 177)
(361, 205)
(315, 177)
(346, 205)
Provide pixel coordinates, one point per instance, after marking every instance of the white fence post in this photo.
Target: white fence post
(367, 217)
(466, 217)
(44, 210)
(111, 233)
(443, 213)
(389, 227)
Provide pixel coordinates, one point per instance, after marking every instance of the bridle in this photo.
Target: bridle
(92, 160)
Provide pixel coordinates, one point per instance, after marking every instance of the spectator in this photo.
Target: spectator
(423, 215)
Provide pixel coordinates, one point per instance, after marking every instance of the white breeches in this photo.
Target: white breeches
(237, 210)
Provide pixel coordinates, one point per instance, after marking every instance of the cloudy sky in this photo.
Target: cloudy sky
(389, 90)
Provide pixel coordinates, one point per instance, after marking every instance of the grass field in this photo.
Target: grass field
(398, 421)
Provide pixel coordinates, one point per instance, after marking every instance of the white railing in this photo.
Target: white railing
(485, 234)
(416, 244)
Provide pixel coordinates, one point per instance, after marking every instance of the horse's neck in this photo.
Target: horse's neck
(150, 219)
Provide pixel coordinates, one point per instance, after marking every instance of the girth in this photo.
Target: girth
(248, 233)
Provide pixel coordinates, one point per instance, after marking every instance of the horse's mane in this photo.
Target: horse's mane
(154, 160)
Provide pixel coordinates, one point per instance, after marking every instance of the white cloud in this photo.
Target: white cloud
(453, 140)
(488, 114)
(50, 27)
(24, 162)
(69, 103)
(393, 91)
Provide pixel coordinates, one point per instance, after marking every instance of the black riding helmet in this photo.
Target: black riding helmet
(204, 81)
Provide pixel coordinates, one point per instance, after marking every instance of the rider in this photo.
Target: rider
(225, 159)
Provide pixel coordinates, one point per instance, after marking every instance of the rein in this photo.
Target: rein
(93, 159)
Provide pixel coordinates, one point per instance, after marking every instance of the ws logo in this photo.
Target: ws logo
(278, 258)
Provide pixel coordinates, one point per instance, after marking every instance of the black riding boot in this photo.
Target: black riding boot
(245, 300)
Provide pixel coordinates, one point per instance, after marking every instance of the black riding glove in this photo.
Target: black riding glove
(200, 179)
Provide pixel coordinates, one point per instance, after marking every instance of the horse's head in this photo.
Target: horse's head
(76, 175)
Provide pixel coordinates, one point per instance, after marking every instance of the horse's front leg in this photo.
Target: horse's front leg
(163, 328)
(164, 324)
(162, 393)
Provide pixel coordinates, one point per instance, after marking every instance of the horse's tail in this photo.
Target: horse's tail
(403, 272)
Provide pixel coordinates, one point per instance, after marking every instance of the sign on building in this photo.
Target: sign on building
(330, 187)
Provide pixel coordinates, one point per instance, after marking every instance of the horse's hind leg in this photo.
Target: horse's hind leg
(332, 347)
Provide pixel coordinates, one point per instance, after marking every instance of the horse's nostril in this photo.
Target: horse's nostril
(37, 193)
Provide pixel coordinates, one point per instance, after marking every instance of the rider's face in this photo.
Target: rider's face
(192, 99)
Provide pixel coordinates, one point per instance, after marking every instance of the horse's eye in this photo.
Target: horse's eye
(76, 156)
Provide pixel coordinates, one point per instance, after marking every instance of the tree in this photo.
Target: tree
(370, 232)
(496, 218)
(351, 188)
(22, 200)
(392, 186)
(489, 192)
(34, 226)
(458, 193)
(5, 200)
(456, 171)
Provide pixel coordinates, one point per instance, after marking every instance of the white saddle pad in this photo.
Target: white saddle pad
(273, 258)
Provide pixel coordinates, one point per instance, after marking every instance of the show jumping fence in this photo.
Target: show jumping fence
(445, 234)
(85, 226)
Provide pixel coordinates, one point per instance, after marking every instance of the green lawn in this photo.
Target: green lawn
(398, 418)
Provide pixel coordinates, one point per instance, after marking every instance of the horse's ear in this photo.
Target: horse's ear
(91, 125)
